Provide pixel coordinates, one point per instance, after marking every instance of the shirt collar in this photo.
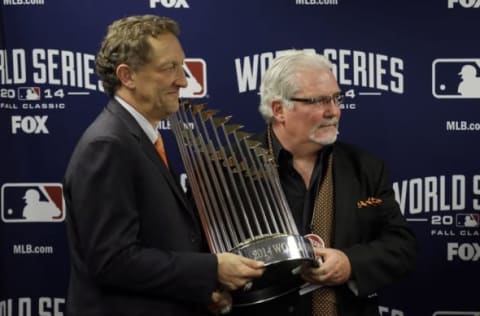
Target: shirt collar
(151, 132)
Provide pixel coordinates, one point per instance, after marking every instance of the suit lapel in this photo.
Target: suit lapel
(147, 147)
(157, 160)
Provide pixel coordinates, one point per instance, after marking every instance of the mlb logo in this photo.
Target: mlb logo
(29, 93)
(32, 202)
(470, 220)
(456, 78)
(196, 72)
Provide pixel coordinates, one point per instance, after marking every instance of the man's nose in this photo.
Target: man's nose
(331, 108)
(181, 79)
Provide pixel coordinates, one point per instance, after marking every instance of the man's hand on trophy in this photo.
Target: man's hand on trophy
(221, 302)
(236, 271)
(334, 270)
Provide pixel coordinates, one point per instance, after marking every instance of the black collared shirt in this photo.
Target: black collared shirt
(300, 198)
(301, 201)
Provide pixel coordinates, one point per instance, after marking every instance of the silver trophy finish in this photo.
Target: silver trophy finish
(242, 207)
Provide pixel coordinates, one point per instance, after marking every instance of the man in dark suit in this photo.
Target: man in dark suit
(135, 241)
(335, 190)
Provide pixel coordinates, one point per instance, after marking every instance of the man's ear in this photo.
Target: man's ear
(278, 111)
(126, 76)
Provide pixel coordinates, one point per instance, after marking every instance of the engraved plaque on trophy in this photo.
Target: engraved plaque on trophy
(242, 207)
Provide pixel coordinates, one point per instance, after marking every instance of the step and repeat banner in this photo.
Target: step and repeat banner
(410, 70)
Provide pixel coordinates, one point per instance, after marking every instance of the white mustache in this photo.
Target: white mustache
(331, 122)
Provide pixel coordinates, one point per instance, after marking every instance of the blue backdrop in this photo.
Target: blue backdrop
(401, 64)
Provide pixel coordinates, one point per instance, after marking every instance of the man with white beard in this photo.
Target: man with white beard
(334, 190)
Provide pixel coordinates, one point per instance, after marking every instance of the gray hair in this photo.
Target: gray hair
(278, 82)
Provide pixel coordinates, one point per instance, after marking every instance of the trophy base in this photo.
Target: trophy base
(283, 255)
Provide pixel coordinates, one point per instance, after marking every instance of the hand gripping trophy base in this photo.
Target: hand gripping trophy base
(283, 255)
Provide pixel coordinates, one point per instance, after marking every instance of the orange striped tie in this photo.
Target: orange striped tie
(159, 146)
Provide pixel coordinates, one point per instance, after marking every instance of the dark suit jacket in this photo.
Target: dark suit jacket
(377, 240)
(135, 241)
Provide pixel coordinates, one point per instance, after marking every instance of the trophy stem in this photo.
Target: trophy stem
(234, 187)
(278, 194)
(238, 168)
(266, 181)
(200, 189)
(219, 196)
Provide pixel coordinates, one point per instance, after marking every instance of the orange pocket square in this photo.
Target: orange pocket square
(369, 202)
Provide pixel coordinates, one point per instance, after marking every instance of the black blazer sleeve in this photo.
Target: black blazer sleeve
(377, 240)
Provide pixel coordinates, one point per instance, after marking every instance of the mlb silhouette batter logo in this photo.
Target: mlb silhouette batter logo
(33, 202)
(196, 73)
(456, 78)
(29, 93)
(468, 220)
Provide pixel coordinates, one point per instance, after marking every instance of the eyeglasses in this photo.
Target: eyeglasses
(337, 98)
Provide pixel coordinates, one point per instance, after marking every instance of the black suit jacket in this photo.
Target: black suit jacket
(135, 242)
(377, 240)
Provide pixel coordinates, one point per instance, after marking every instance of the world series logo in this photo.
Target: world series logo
(32, 202)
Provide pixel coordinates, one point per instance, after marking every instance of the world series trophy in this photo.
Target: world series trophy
(242, 207)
